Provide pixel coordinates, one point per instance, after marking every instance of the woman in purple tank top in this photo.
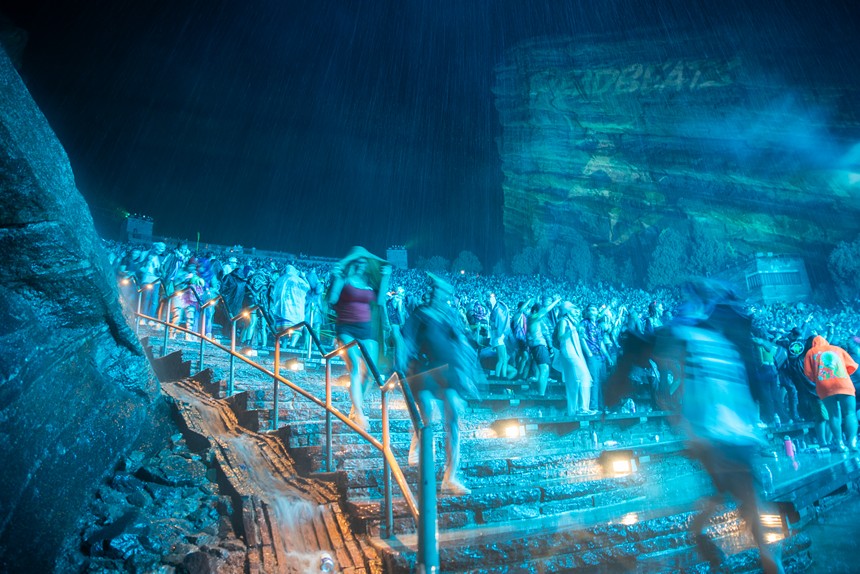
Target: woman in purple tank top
(353, 294)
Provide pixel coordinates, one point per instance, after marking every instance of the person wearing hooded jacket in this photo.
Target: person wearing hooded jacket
(831, 368)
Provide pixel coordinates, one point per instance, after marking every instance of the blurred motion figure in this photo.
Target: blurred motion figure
(440, 365)
(712, 342)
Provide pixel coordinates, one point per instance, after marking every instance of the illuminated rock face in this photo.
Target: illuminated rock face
(617, 141)
(76, 389)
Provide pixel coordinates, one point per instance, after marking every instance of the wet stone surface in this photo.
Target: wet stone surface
(161, 514)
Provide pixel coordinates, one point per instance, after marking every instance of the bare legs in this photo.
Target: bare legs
(357, 375)
(841, 407)
(543, 379)
(453, 406)
(571, 385)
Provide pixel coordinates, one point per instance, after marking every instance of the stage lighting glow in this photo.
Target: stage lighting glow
(772, 537)
(621, 467)
(771, 520)
(515, 431)
(630, 518)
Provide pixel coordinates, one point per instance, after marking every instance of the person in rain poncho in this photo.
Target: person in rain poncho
(288, 301)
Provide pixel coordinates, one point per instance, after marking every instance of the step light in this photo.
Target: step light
(616, 463)
(775, 527)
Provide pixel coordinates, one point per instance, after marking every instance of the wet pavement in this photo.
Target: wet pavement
(835, 536)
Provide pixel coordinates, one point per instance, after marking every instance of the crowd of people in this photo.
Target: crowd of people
(529, 328)
(725, 367)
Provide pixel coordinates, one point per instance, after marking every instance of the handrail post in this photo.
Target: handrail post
(137, 317)
(232, 358)
(428, 545)
(388, 509)
(166, 326)
(276, 406)
(329, 462)
(202, 335)
(308, 342)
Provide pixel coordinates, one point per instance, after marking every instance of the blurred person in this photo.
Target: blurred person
(711, 341)
(610, 339)
(150, 273)
(395, 308)
(597, 356)
(173, 265)
(235, 298)
(500, 329)
(440, 365)
(576, 377)
(288, 297)
(538, 342)
(257, 293)
(359, 286)
(831, 368)
(519, 327)
(206, 271)
(128, 274)
(478, 318)
(314, 300)
(654, 317)
(767, 379)
(231, 265)
(184, 306)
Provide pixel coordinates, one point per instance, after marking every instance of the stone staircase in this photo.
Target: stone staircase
(540, 500)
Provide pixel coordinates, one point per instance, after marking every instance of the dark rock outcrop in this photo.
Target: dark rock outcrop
(75, 389)
(615, 140)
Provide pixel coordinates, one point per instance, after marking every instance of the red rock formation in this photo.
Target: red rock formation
(614, 139)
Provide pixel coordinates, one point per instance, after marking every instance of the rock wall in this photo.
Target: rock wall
(618, 140)
(75, 389)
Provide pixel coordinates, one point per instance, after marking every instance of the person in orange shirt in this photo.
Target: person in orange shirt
(830, 367)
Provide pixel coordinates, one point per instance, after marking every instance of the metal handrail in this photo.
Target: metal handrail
(390, 464)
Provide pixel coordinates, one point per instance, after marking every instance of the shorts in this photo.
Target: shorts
(540, 354)
(360, 331)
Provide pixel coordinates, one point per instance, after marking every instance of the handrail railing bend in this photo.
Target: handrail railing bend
(390, 464)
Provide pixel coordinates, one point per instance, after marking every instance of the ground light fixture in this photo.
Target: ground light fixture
(618, 463)
(775, 526)
(515, 430)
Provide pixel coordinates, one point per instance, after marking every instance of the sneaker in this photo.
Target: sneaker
(455, 487)
(838, 448)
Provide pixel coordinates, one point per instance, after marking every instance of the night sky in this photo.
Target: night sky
(313, 126)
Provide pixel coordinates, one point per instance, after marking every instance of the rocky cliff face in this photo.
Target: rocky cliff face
(618, 140)
(76, 389)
